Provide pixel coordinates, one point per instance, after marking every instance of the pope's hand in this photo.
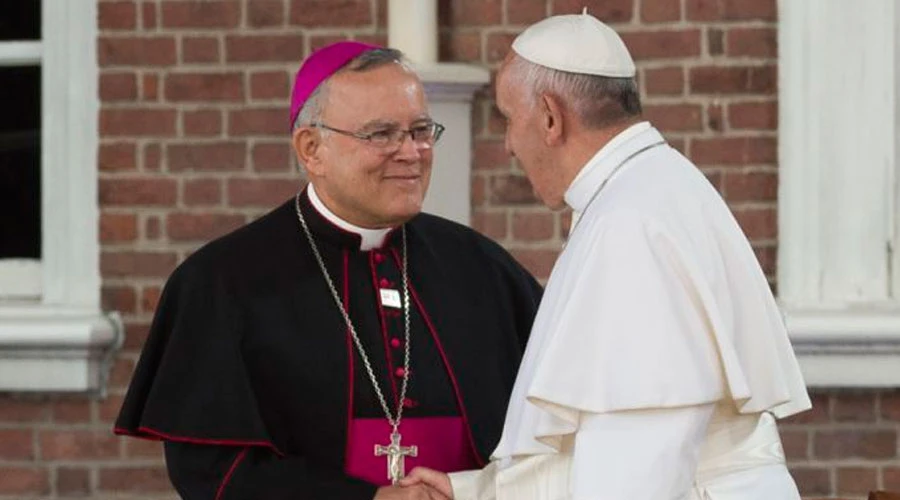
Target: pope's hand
(437, 480)
(415, 492)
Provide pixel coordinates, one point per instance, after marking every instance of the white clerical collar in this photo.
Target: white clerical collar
(371, 238)
(605, 161)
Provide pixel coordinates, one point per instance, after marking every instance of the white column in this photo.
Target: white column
(412, 28)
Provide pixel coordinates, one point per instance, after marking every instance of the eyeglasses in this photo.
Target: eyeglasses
(424, 135)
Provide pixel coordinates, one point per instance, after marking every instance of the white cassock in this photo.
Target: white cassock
(658, 360)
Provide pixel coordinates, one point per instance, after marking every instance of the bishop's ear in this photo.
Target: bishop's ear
(307, 144)
(552, 125)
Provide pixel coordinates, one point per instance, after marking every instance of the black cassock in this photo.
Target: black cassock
(250, 376)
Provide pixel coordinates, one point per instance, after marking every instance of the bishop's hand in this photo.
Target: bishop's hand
(435, 479)
(413, 492)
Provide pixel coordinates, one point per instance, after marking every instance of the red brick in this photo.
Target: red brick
(326, 13)
(205, 87)
(265, 13)
(207, 157)
(890, 406)
(664, 81)
(199, 192)
(491, 155)
(891, 478)
(143, 51)
(137, 122)
(730, 10)
(259, 121)
(134, 479)
(137, 264)
(116, 15)
(209, 14)
(108, 409)
(538, 262)
(18, 444)
(512, 190)
(316, 42)
(715, 117)
(750, 186)
(137, 192)
(853, 407)
(767, 256)
(533, 226)
(123, 368)
(734, 151)
(118, 298)
(272, 157)
(458, 13)
(149, 15)
(796, 444)
(201, 227)
(525, 12)
(496, 123)
(733, 80)
(608, 11)
(675, 117)
(203, 122)
(381, 40)
(753, 115)
(856, 480)
(118, 87)
(118, 228)
(751, 42)
(152, 157)
(669, 44)
(260, 192)
(72, 411)
(819, 414)
(845, 444)
(117, 157)
(143, 448)
(150, 298)
(152, 228)
(477, 194)
(269, 85)
(74, 444)
(660, 11)
(498, 45)
(24, 480)
(715, 41)
(494, 225)
(460, 47)
(150, 87)
(16, 410)
(200, 49)
(812, 480)
(758, 223)
(263, 48)
(73, 482)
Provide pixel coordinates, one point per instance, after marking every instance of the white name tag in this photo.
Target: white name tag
(390, 298)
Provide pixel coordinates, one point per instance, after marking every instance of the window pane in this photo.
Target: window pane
(20, 162)
(20, 20)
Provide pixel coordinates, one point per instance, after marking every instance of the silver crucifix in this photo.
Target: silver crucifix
(396, 455)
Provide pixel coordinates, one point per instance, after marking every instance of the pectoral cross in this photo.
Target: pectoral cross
(396, 455)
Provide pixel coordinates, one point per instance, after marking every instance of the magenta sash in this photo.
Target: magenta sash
(441, 441)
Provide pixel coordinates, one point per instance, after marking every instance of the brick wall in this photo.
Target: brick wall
(193, 143)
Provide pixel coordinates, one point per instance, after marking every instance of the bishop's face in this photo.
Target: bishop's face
(365, 184)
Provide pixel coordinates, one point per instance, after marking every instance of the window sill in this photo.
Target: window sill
(847, 348)
(49, 349)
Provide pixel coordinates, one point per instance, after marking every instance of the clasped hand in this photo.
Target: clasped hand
(421, 484)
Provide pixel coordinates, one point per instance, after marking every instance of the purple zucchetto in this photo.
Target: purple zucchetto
(320, 65)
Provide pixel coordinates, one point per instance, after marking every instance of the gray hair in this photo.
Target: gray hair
(312, 109)
(598, 101)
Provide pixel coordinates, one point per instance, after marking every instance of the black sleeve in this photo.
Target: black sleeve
(207, 472)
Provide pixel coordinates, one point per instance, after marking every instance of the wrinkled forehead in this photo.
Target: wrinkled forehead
(390, 92)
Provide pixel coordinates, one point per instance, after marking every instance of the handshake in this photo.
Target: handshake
(420, 484)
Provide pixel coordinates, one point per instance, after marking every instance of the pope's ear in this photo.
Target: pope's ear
(307, 146)
(552, 124)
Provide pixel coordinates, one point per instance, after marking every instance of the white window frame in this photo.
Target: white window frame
(839, 160)
(58, 339)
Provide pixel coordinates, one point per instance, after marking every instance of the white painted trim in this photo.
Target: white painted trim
(851, 370)
(62, 342)
(20, 279)
(20, 53)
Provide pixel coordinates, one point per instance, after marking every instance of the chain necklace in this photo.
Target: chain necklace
(394, 452)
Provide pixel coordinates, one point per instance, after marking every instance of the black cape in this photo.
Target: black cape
(246, 372)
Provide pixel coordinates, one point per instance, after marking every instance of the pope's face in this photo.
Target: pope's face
(365, 184)
(524, 138)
